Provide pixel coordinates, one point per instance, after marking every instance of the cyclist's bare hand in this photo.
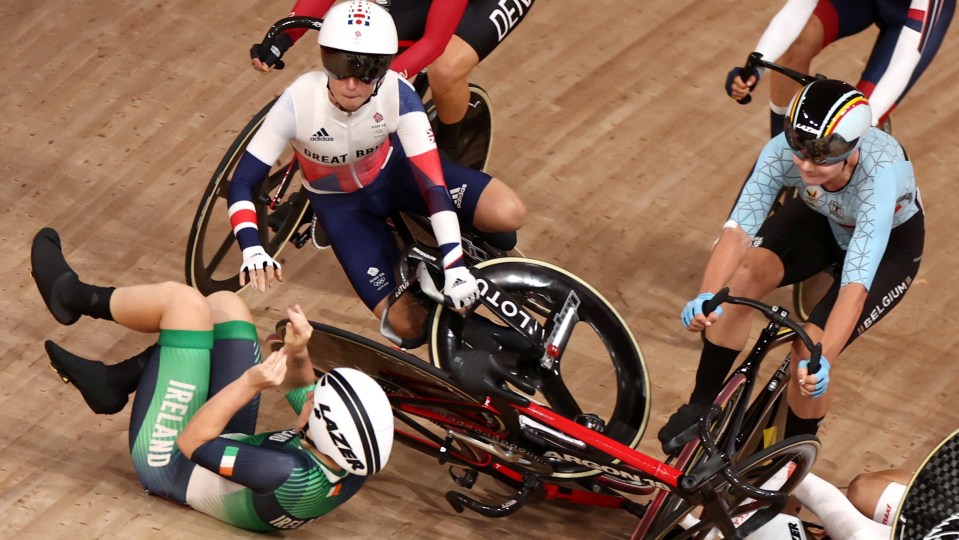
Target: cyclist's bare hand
(298, 330)
(259, 269)
(268, 373)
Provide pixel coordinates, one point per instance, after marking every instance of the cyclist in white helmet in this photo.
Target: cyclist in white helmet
(450, 36)
(191, 432)
(366, 150)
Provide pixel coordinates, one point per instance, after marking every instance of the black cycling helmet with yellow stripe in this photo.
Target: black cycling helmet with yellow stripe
(826, 121)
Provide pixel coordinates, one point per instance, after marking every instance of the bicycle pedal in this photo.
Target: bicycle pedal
(591, 421)
(467, 479)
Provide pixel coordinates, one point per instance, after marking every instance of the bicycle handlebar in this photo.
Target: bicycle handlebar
(774, 314)
(289, 23)
(755, 61)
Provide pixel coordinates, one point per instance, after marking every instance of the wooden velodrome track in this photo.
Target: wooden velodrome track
(611, 123)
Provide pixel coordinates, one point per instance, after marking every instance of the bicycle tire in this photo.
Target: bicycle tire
(801, 451)
(666, 506)
(217, 269)
(476, 132)
(542, 288)
(808, 293)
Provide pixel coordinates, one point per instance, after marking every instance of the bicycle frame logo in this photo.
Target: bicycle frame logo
(499, 301)
(634, 478)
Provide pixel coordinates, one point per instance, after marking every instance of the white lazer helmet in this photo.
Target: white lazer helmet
(351, 421)
(358, 39)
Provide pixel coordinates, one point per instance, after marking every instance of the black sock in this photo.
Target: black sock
(448, 138)
(776, 123)
(714, 363)
(126, 374)
(89, 300)
(801, 426)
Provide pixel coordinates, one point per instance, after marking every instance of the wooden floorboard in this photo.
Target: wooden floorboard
(611, 123)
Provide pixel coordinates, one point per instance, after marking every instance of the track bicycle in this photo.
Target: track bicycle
(458, 409)
(213, 257)
(745, 425)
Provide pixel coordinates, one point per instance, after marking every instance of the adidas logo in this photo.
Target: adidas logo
(321, 135)
(458, 282)
(457, 194)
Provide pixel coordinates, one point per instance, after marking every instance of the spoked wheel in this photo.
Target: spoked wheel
(601, 372)
(783, 464)
(476, 134)
(213, 257)
(669, 508)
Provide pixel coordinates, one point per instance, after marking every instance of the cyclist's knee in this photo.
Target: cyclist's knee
(756, 276)
(227, 306)
(406, 317)
(499, 209)
(185, 308)
(453, 66)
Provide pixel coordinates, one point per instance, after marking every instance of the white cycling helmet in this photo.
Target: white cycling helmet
(351, 421)
(358, 39)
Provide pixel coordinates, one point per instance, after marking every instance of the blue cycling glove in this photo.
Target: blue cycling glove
(823, 375)
(695, 307)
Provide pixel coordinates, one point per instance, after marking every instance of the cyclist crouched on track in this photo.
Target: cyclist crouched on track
(859, 206)
(367, 151)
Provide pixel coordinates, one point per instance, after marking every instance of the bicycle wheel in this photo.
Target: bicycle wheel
(667, 509)
(808, 293)
(213, 257)
(602, 371)
(784, 464)
(476, 133)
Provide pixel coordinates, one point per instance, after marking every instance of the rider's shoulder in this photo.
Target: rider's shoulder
(881, 149)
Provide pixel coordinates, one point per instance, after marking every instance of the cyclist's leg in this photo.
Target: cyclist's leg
(786, 248)
(832, 20)
(484, 25)
(894, 276)
(879, 494)
(908, 41)
(235, 349)
(356, 224)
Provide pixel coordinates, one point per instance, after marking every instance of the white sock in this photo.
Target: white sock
(839, 517)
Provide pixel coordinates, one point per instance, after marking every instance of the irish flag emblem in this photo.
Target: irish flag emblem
(228, 460)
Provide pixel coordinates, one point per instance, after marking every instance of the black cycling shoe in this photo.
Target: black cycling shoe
(52, 274)
(678, 424)
(90, 377)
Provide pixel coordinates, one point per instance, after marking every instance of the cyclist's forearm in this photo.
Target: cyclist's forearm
(842, 319)
(241, 210)
(209, 421)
